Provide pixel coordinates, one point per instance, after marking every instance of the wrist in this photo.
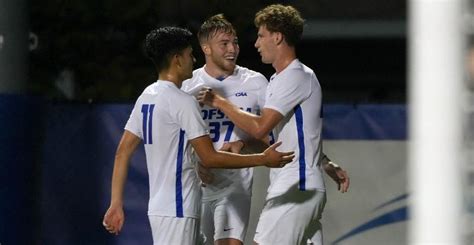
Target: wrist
(335, 165)
(116, 203)
(262, 159)
(218, 102)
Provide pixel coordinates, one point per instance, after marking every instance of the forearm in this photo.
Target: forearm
(221, 159)
(210, 158)
(324, 159)
(119, 178)
(327, 163)
(248, 122)
(125, 149)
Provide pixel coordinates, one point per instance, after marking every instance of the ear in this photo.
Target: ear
(177, 59)
(278, 38)
(206, 49)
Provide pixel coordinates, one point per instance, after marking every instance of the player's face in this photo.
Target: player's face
(188, 61)
(265, 45)
(223, 51)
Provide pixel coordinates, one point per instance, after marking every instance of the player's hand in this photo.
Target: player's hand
(205, 175)
(113, 219)
(208, 97)
(234, 146)
(339, 176)
(276, 159)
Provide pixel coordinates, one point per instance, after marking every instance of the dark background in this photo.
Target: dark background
(99, 44)
(57, 144)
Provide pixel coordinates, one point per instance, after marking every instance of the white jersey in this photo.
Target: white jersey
(295, 93)
(165, 118)
(246, 89)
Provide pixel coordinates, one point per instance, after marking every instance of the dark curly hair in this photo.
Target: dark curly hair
(214, 24)
(162, 43)
(284, 19)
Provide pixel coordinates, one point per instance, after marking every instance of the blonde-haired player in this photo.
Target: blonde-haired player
(226, 199)
(292, 110)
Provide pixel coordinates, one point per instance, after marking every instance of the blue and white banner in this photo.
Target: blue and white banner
(369, 141)
(77, 142)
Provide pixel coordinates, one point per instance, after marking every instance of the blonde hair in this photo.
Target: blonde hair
(213, 25)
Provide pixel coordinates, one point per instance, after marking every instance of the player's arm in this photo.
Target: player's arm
(247, 146)
(257, 126)
(336, 173)
(252, 145)
(206, 176)
(219, 159)
(114, 217)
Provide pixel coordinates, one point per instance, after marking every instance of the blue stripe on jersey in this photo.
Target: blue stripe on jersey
(179, 169)
(302, 161)
(150, 120)
(144, 120)
(272, 138)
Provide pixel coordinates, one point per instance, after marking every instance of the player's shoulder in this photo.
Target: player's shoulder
(180, 94)
(244, 71)
(253, 76)
(189, 85)
(150, 94)
(299, 71)
(178, 100)
(150, 90)
(164, 90)
(303, 69)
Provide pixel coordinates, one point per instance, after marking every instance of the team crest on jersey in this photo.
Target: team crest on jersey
(238, 94)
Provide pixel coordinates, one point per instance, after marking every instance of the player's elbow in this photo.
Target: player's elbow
(210, 161)
(260, 133)
(206, 163)
(121, 155)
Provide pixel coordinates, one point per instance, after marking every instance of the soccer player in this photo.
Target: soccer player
(226, 199)
(168, 121)
(296, 195)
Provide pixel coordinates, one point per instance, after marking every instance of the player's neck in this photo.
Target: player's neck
(171, 77)
(217, 73)
(284, 59)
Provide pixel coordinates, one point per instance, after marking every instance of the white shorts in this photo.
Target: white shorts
(226, 217)
(172, 230)
(292, 218)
